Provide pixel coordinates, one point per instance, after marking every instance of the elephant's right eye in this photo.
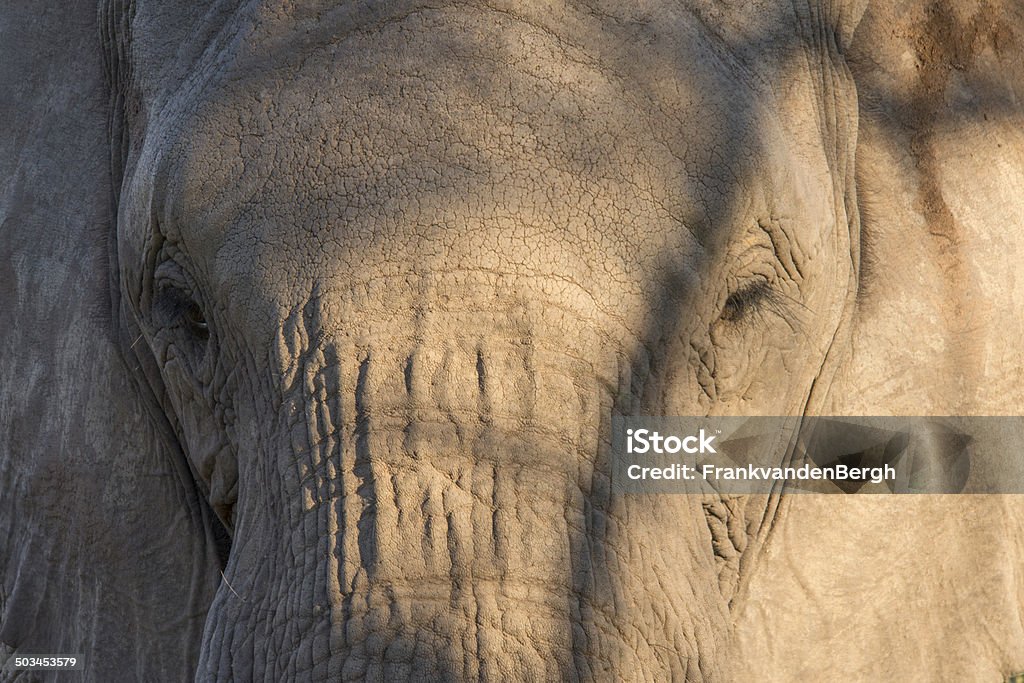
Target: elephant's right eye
(749, 300)
(173, 307)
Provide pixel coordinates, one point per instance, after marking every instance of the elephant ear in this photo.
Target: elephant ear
(106, 550)
(940, 166)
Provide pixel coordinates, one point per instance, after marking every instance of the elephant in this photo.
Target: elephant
(317, 315)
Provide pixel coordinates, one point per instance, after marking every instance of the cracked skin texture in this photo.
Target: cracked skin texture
(375, 278)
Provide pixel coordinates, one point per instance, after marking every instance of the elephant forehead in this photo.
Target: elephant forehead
(464, 141)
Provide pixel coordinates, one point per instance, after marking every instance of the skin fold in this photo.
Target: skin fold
(322, 312)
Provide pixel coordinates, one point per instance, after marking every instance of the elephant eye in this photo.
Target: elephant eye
(175, 308)
(748, 300)
(196, 322)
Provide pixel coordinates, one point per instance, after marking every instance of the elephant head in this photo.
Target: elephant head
(381, 274)
(394, 268)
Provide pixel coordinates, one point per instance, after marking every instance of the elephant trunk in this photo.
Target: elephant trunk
(436, 508)
(408, 516)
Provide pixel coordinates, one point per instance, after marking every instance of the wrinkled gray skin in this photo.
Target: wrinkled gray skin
(352, 292)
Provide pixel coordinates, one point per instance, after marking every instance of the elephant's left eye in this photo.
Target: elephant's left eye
(175, 308)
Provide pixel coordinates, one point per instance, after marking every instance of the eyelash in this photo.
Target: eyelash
(753, 299)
